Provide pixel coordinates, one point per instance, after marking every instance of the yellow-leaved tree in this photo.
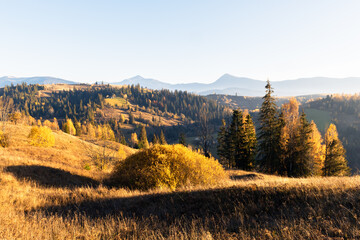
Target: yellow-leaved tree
(317, 151)
(288, 136)
(91, 130)
(134, 140)
(41, 137)
(335, 163)
(107, 133)
(68, 127)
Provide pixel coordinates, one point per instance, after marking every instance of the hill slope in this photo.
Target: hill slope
(40, 199)
(70, 153)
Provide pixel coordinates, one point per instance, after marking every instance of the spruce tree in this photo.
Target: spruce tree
(250, 144)
(221, 139)
(269, 135)
(131, 118)
(303, 159)
(231, 151)
(237, 143)
(143, 142)
(335, 163)
(238, 139)
(182, 139)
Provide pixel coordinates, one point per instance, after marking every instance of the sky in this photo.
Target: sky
(179, 41)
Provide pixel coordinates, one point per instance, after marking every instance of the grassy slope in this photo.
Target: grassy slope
(47, 194)
(320, 117)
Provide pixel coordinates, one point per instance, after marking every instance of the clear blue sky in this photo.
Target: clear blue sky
(179, 41)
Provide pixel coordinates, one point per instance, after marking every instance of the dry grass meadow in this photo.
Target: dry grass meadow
(49, 193)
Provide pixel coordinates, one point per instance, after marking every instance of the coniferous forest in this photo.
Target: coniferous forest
(288, 144)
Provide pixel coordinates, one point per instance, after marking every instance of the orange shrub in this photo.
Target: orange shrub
(167, 166)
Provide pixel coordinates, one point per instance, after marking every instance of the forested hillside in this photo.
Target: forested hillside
(344, 110)
(124, 108)
(254, 103)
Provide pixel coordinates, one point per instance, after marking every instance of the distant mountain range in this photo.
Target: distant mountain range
(7, 80)
(231, 85)
(226, 84)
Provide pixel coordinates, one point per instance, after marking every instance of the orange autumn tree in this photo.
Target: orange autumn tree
(288, 135)
(335, 163)
(68, 127)
(318, 150)
(302, 151)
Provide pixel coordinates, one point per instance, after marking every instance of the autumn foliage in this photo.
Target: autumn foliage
(41, 137)
(4, 139)
(167, 166)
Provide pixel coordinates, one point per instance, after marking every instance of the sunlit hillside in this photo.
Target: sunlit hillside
(70, 153)
(48, 193)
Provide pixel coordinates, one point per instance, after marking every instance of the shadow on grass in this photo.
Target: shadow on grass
(243, 206)
(50, 177)
(245, 177)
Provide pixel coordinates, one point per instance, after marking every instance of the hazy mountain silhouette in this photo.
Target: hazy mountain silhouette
(7, 80)
(226, 84)
(232, 85)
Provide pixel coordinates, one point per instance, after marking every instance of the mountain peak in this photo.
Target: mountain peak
(226, 75)
(137, 77)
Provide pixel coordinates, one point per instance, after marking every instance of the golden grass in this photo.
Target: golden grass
(75, 204)
(118, 101)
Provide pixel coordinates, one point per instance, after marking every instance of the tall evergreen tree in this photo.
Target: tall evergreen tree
(231, 143)
(303, 158)
(221, 139)
(335, 163)
(269, 136)
(250, 143)
(237, 143)
(237, 133)
(143, 142)
(131, 118)
(182, 139)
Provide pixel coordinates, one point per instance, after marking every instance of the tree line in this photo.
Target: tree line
(287, 144)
